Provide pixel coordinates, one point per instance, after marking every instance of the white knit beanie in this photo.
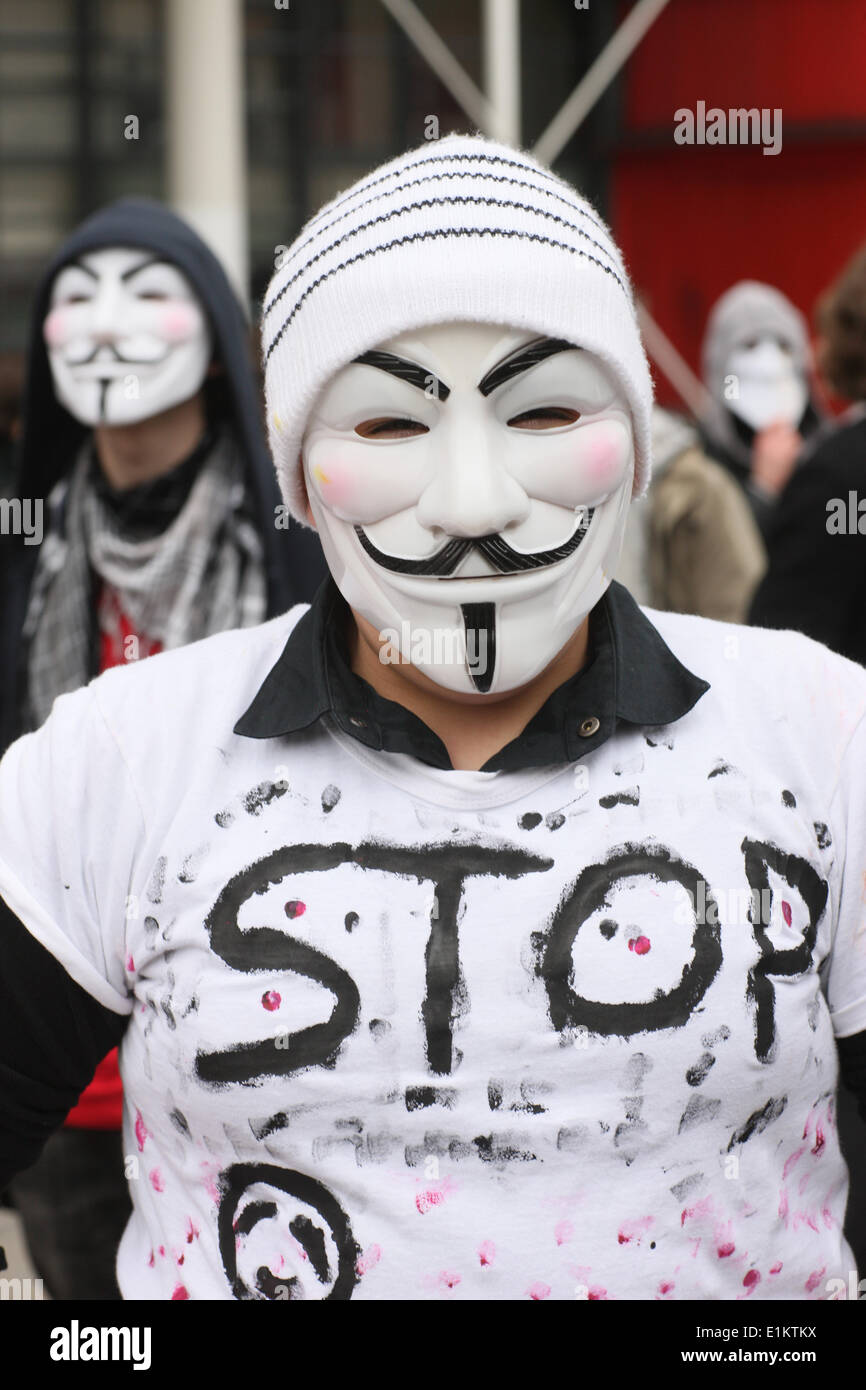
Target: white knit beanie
(459, 229)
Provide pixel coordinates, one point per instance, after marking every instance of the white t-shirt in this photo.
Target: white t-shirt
(400, 1033)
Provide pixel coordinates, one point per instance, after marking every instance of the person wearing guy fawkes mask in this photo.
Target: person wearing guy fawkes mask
(454, 986)
(758, 369)
(141, 432)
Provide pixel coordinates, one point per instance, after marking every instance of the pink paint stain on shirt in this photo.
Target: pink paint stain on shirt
(814, 1279)
(180, 1293)
(156, 1180)
(597, 1294)
(819, 1140)
(448, 1279)
(634, 1230)
(191, 1231)
(828, 1218)
(640, 945)
(152, 1261)
(368, 1259)
(751, 1280)
(701, 1208)
(725, 1250)
(294, 908)
(142, 1133)
(666, 1288)
(563, 1232)
(271, 1000)
(486, 1253)
(789, 1162)
(538, 1291)
(776, 1268)
(786, 913)
(432, 1197)
(130, 964)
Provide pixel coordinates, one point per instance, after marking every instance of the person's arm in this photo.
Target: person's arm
(70, 823)
(52, 1036)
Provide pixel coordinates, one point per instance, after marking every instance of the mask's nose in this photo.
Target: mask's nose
(107, 313)
(471, 493)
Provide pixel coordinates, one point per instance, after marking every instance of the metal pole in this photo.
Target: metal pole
(596, 79)
(500, 32)
(440, 58)
(206, 126)
(667, 358)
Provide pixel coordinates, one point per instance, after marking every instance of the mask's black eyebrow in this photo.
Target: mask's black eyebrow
(134, 269)
(79, 265)
(407, 371)
(521, 361)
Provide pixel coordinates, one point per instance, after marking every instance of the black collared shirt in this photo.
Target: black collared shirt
(630, 675)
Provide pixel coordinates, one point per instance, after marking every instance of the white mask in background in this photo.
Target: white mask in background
(770, 389)
(471, 436)
(127, 337)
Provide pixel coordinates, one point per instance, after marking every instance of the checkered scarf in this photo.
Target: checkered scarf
(203, 574)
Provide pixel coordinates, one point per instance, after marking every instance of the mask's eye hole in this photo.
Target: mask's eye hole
(546, 417)
(76, 299)
(150, 294)
(389, 427)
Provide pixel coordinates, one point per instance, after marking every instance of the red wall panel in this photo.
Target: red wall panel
(692, 220)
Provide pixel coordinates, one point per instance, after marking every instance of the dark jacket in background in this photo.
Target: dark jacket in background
(50, 437)
(816, 580)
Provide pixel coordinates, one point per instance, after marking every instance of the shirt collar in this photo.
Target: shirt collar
(630, 676)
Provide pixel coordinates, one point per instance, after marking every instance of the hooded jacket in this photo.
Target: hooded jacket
(51, 436)
(749, 310)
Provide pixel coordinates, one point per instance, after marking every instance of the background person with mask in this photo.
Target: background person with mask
(757, 369)
(816, 580)
(141, 430)
(454, 986)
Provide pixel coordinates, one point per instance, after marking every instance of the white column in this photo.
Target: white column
(501, 56)
(206, 126)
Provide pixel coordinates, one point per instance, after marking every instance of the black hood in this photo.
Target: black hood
(50, 436)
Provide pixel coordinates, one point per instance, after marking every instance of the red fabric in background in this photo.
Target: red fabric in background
(100, 1105)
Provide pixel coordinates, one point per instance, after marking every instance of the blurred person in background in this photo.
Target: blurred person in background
(816, 580)
(691, 544)
(757, 366)
(141, 429)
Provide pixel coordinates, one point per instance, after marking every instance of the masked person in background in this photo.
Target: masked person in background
(491, 922)
(758, 370)
(816, 581)
(141, 430)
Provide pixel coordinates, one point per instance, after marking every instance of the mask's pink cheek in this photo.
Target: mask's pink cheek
(57, 327)
(340, 488)
(604, 456)
(177, 321)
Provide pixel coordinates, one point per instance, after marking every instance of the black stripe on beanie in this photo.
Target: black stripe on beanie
(462, 199)
(438, 234)
(482, 174)
(456, 157)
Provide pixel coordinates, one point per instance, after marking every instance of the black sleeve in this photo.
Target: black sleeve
(852, 1063)
(53, 1034)
(814, 581)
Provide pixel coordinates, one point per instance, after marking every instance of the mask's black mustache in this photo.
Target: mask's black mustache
(502, 556)
(116, 357)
